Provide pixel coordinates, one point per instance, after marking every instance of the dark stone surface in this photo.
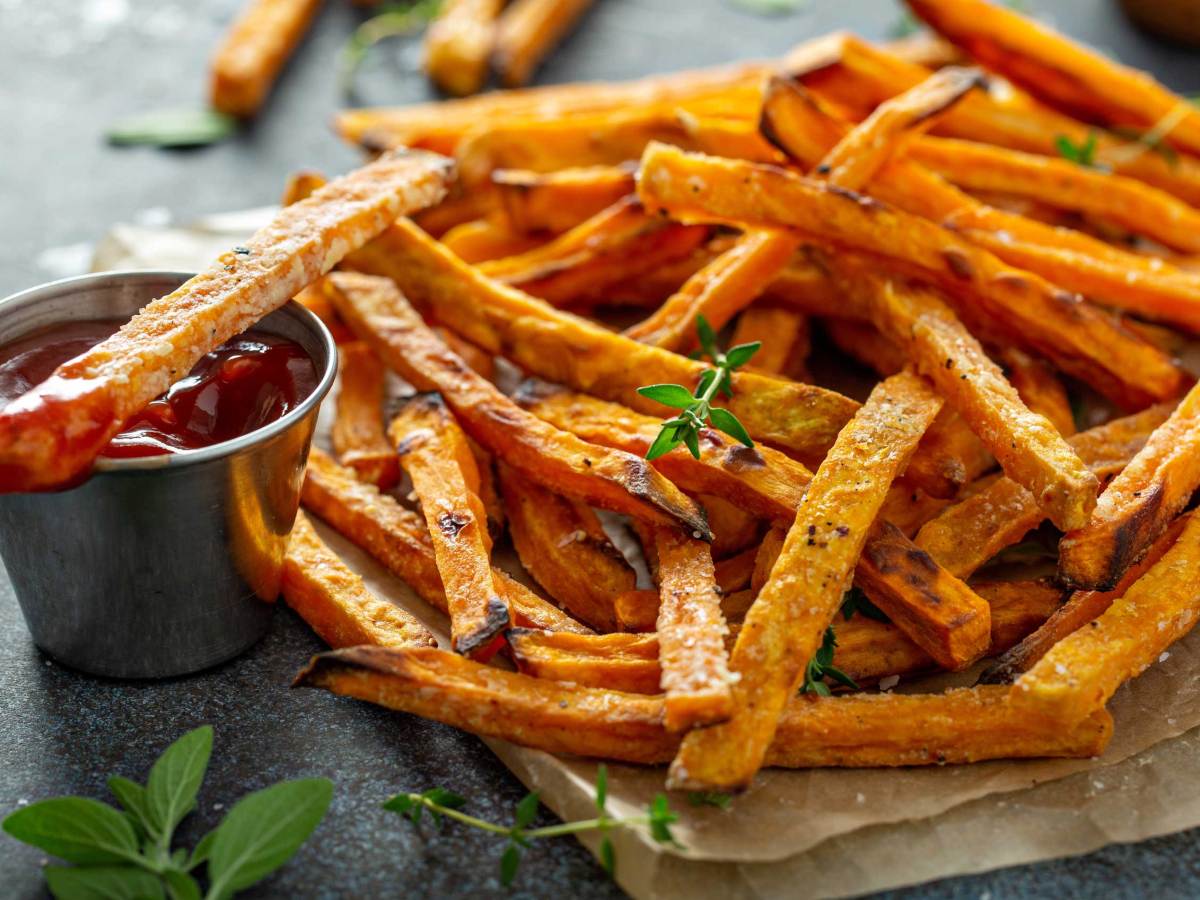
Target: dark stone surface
(68, 69)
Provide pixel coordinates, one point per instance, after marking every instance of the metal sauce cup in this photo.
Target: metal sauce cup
(160, 565)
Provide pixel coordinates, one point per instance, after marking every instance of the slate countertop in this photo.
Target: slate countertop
(68, 69)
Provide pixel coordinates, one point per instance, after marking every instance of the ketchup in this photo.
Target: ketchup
(246, 383)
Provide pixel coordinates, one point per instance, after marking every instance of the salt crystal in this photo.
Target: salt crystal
(1165, 656)
(886, 684)
(860, 798)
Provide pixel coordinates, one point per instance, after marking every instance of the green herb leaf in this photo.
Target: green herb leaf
(527, 811)
(821, 666)
(661, 820)
(707, 337)
(510, 861)
(691, 440)
(173, 128)
(771, 7)
(664, 443)
(855, 601)
(201, 851)
(76, 829)
(673, 395)
(601, 786)
(102, 883)
(175, 779)
(1081, 154)
(710, 798)
(736, 357)
(132, 797)
(181, 886)
(398, 20)
(907, 24)
(263, 831)
(608, 857)
(724, 420)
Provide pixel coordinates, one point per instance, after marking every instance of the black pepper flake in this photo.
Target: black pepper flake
(812, 529)
(949, 363)
(228, 268)
(241, 251)
(843, 530)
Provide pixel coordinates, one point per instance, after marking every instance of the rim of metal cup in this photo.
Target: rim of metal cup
(225, 448)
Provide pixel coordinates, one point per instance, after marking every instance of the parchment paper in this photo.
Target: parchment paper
(831, 832)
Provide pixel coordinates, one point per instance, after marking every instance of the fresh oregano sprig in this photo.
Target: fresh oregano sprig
(821, 667)
(129, 854)
(695, 409)
(440, 802)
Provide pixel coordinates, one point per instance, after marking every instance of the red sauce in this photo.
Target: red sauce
(238, 388)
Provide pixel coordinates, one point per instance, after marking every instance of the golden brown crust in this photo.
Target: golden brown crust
(253, 52)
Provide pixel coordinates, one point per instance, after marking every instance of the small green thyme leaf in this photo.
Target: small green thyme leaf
(173, 128)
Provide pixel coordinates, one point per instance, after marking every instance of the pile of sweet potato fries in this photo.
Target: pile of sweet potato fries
(1021, 311)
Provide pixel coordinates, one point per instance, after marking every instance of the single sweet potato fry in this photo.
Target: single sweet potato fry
(527, 31)
(52, 433)
(733, 528)
(440, 126)
(784, 627)
(966, 725)
(1040, 388)
(611, 479)
(1065, 74)
(253, 52)
(433, 451)
(1080, 673)
(1079, 338)
(965, 536)
(336, 604)
(398, 539)
(948, 620)
(563, 546)
(480, 240)
(1137, 505)
(358, 434)
(555, 202)
(784, 334)
(1080, 609)
(691, 634)
(888, 130)
(719, 291)
(458, 44)
(569, 350)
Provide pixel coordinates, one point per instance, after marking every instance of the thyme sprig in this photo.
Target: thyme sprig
(395, 20)
(696, 409)
(440, 802)
(1083, 154)
(821, 667)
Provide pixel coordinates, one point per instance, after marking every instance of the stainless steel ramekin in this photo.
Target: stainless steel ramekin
(162, 565)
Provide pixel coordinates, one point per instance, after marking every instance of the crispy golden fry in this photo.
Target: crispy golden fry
(527, 31)
(784, 627)
(948, 620)
(1127, 202)
(458, 44)
(889, 129)
(968, 534)
(867, 650)
(719, 291)
(1040, 388)
(1079, 338)
(480, 362)
(434, 452)
(253, 52)
(358, 434)
(398, 539)
(637, 610)
(572, 351)
(440, 126)
(301, 185)
(54, 431)
(1028, 447)
(908, 507)
(691, 634)
(1138, 504)
(336, 604)
(858, 75)
(607, 478)
(733, 528)
(1026, 444)
(1065, 74)
(720, 135)
(733, 572)
(558, 201)
(762, 481)
(785, 337)
(481, 240)
(1071, 259)
(1080, 609)
(1080, 673)
(959, 726)
(615, 244)
(563, 546)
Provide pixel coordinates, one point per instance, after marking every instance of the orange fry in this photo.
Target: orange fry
(527, 31)
(558, 201)
(784, 627)
(458, 44)
(336, 604)
(358, 435)
(54, 431)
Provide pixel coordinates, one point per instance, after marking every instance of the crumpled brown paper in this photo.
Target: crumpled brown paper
(832, 832)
